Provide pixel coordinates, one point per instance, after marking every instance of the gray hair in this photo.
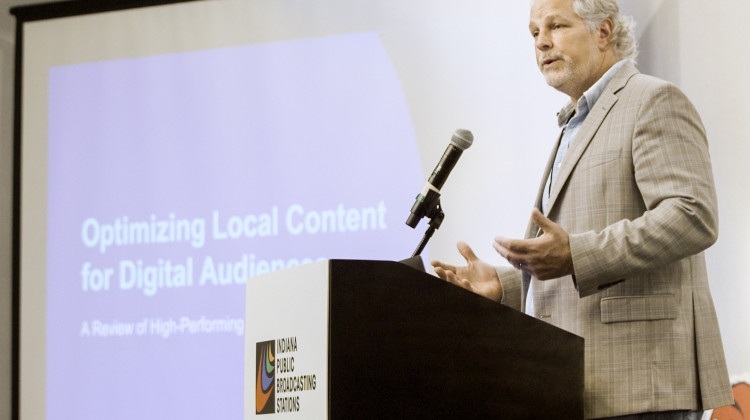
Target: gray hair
(594, 12)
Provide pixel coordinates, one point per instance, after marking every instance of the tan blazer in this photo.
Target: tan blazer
(636, 194)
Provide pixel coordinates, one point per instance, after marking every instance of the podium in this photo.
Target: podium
(350, 339)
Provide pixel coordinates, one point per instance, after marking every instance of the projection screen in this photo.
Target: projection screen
(169, 152)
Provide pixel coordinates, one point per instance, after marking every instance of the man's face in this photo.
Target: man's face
(566, 52)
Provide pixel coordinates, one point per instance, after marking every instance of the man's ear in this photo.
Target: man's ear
(605, 33)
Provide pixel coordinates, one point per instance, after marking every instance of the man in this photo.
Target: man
(626, 207)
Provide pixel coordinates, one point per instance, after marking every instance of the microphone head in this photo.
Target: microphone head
(462, 139)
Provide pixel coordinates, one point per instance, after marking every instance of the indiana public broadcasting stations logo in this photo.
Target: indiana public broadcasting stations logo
(278, 385)
(265, 391)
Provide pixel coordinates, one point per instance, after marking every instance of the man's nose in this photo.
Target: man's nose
(542, 41)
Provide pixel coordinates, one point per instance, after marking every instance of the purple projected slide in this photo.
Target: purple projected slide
(173, 178)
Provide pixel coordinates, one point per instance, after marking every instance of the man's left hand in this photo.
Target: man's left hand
(544, 257)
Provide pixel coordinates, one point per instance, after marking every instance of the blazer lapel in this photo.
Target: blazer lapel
(590, 126)
(532, 230)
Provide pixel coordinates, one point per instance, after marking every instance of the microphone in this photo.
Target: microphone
(428, 198)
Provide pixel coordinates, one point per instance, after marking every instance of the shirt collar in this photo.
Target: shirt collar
(589, 98)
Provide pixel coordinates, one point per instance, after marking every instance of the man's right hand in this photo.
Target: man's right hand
(477, 276)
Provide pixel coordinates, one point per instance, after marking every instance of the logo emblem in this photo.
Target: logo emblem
(265, 391)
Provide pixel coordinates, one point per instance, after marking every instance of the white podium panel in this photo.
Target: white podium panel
(286, 344)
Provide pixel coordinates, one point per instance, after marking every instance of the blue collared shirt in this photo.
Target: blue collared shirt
(570, 126)
(570, 122)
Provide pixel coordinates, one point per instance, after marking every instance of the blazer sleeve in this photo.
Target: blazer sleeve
(512, 283)
(672, 170)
